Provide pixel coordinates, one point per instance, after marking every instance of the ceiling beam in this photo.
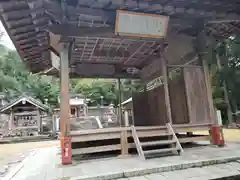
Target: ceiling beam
(110, 53)
(118, 64)
(72, 31)
(25, 29)
(114, 76)
(23, 36)
(32, 39)
(33, 50)
(13, 5)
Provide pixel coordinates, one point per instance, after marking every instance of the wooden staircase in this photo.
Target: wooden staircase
(150, 147)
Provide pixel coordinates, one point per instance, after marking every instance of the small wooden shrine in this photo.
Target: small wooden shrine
(78, 106)
(25, 115)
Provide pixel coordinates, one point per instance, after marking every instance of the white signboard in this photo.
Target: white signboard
(55, 61)
(141, 24)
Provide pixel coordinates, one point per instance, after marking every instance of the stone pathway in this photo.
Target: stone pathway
(203, 173)
(45, 164)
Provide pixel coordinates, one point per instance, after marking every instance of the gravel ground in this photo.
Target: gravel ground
(12, 154)
(230, 135)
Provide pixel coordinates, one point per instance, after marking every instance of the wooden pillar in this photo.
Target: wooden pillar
(64, 92)
(39, 124)
(120, 102)
(10, 121)
(126, 118)
(53, 125)
(209, 91)
(123, 136)
(166, 90)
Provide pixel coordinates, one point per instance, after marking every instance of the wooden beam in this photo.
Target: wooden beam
(107, 76)
(183, 66)
(33, 50)
(93, 13)
(15, 15)
(31, 57)
(111, 53)
(64, 98)
(23, 36)
(72, 31)
(96, 149)
(26, 29)
(76, 61)
(13, 5)
(39, 124)
(135, 52)
(137, 142)
(35, 45)
(30, 39)
(166, 90)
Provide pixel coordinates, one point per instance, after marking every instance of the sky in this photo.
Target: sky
(6, 41)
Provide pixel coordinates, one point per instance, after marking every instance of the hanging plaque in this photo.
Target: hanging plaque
(141, 24)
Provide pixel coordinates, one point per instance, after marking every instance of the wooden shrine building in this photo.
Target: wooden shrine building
(164, 43)
(25, 116)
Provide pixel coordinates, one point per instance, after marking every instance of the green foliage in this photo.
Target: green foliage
(229, 73)
(93, 89)
(16, 80)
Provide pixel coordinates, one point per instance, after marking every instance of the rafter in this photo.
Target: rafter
(70, 30)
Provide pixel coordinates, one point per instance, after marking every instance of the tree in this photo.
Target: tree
(16, 80)
(225, 64)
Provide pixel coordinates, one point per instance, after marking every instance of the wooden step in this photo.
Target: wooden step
(157, 151)
(160, 142)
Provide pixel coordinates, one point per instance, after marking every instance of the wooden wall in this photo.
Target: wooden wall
(188, 99)
(140, 109)
(199, 110)
(149, 108)
(178, 100)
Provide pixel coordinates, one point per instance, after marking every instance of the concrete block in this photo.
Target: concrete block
(141, 171)
(137, 178)
(156, 176)
(105, 176)
(235, 165)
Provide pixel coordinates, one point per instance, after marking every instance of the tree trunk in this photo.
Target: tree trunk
(226, 97)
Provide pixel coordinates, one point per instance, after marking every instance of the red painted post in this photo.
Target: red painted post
(65, 140)
(217, 135)
(66, 150)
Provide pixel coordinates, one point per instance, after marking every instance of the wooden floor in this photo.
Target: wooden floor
(109, 139)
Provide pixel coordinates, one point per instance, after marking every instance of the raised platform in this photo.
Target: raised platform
(109, 139)
(49, 164)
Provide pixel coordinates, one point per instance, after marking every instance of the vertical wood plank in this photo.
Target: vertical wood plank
(124, 143)
(64, 94)
(189, 108)
(124, 140)
(166, 90)
(120, 101)
(209, 91)
(196, 95)
(178, 99)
